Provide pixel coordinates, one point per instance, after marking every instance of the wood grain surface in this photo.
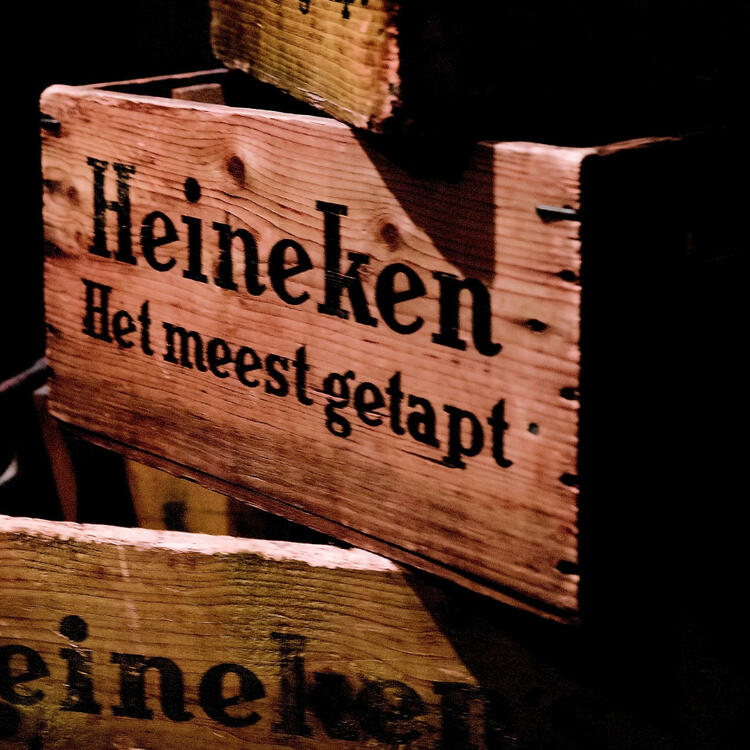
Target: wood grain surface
(266, 608)
(456, 443)
(341, 57)
(338, 649)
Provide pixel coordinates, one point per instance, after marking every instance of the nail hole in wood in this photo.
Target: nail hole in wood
(568, 568)
(50, 124)
(568, 275)
(536, 325)
(569, 480)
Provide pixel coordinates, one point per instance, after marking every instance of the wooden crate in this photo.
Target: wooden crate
(133, 638)
(265, 302)
(96, 611)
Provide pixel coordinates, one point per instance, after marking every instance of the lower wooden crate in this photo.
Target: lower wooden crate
(134, 638)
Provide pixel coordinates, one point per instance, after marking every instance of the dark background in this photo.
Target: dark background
(675, 668)
(615, 70)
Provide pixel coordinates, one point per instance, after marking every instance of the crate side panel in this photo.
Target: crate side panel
(303, 190)
(207, 612)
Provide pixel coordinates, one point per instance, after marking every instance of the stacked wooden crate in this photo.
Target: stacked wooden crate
(376, 325)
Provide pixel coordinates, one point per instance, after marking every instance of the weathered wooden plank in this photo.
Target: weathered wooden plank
(388, 359)
(340, 57)
(60, 460)
(337, 648)
(212, 93)
(299, 518)
(77, 599)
